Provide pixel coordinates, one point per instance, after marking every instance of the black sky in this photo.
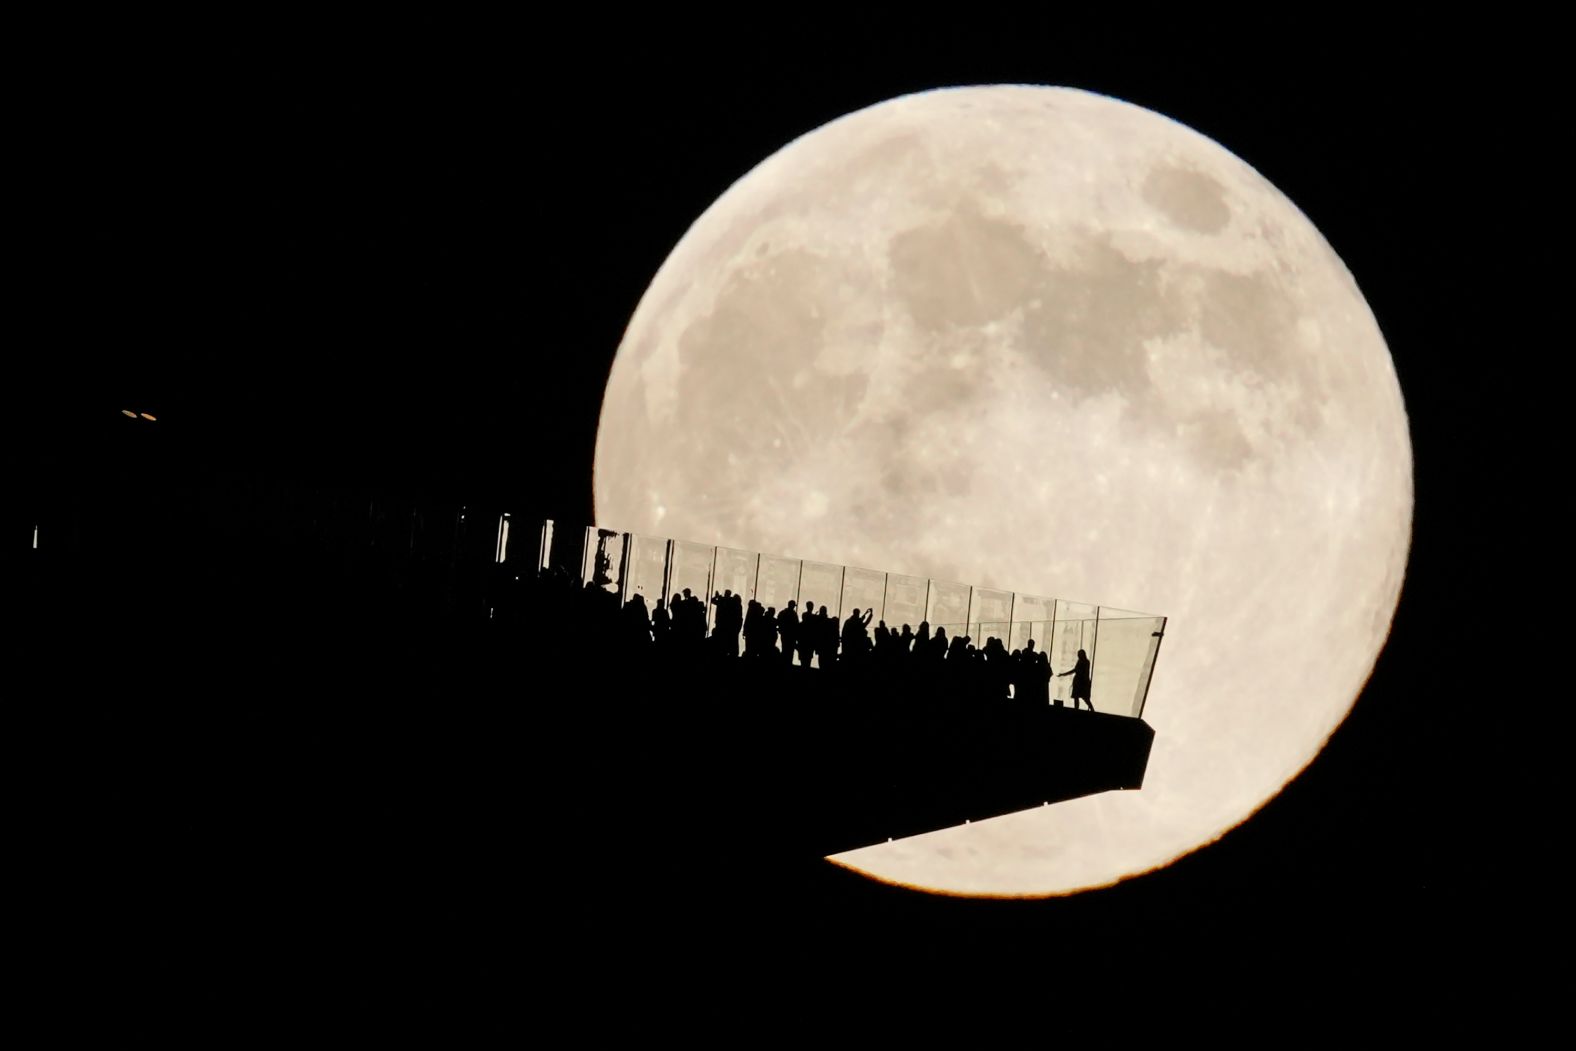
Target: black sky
(410, 258)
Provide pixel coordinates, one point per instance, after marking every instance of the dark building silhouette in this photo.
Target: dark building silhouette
(839, 706)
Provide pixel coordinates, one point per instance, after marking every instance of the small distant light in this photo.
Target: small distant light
(149, 416)
(128, 412)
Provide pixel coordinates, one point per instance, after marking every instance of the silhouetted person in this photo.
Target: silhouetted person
(637, 624)
(826, 639)
(660, 624)
(733, 606)
(998, 673)
(809, 625)
(1033, 676)
(1080, 674)
(769, 632)
(752, 629)
(856, 638)
(689, 621)
(937, 650)
(1042, 678)
(729, 620)
(788, 629)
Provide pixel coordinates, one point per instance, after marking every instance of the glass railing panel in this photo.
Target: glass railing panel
(690, 569)
(563, 549)
(778, 581)
(905, 601)
(990, 615)
(602, 561)
(865, 590)
(949, 604)
(648, 565)
(1031, 620)
(1072, 631)
(1123, 644)
(821, 583)
(733, 573)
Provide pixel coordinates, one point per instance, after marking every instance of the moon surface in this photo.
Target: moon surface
(1043, 340)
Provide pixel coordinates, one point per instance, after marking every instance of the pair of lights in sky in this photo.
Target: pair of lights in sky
(145, 415)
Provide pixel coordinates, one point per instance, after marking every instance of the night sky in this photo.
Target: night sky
(408, 260)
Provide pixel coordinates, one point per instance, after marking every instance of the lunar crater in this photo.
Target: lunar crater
(964, 270)
(1189, 199)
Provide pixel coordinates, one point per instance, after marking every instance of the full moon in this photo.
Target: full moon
(1042, 340)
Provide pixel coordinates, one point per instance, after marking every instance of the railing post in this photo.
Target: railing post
(667, 571)
(1050, 649)
(1094, 647)
(1154, 658)
(711, 621)
(544, 547)
(711, 575)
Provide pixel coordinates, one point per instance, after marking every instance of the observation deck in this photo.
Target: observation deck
(934, 708)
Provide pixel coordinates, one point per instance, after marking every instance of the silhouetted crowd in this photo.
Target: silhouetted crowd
(815, 638)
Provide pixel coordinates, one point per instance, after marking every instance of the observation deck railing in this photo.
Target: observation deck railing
(1121, 645)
